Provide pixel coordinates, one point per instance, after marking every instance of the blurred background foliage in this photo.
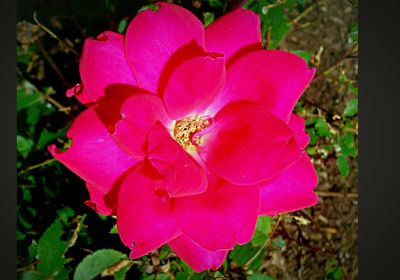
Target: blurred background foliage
(59, 237)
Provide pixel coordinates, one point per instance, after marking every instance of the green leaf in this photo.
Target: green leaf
(32, 251)
(263, 227)
(343, 165)
(51, 250)
(241, 254)
(303, 54)
(94, 264)
(31, 275)
(335, 274)
(278, 24)
(47, 137)
(182, 275)
(353, 35)
(351, 108)
(208, 18)
(260, 277)
(65, 213)
(215, 3)
(121, 274)
(24, 146)
(122, 25)
(27, 95)
(114, 229)
(321, 127)
(347, 145)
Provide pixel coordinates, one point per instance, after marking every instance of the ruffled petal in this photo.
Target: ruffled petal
(93, 155)
(103, 63)
(144, 216)
(139, 114)
(273, 78)
(291, 190)
(224, 215)
(197, 257)
(194, 85)
(233, 32)
(298, 125)
(99, 201)
(247, 144)
(182, 174)
(153, 36)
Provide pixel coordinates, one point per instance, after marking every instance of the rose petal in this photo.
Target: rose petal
(194, 85)
(234, 31)
(197, 257)
(93, 155)
(103, 63)
(144, 216)
(274, 78)
(298, 125)
(182, 174)
(153, 36)
(139, 114)
(224, 215)
(98, 201)
(291, 190)
(247, 144)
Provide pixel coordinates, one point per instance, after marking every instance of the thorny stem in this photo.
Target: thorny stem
(305, 12)
(305, 214)
(46, 162)
(54, 35)
(337, 194)
(52, 64)
(266, 244)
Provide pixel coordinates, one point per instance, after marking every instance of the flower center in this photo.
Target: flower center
(185, 129)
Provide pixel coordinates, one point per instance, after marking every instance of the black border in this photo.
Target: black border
(8, 140)
(379, 200)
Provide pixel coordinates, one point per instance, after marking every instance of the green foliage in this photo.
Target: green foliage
(24, 145)
(208, 18)
(94, 264)
(351, 108)
(263, 227)
(123, 24)
(51, 250)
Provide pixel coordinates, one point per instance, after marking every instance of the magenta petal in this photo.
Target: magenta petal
(98, 201)
(298, 126)
(224, 215)
(93, 155)
(195, 256)
(234, 31)
(194, 85)
(291, 190)
(153, 36)
(247, 144)
(182, 174)
(274, 78)
(139, 114)
(103, 63)
(144, 216)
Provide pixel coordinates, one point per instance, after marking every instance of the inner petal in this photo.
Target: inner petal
(185, 130)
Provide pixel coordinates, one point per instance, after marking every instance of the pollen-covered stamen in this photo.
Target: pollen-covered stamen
(185, 129)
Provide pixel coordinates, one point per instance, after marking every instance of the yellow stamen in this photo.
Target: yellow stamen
(185, 128)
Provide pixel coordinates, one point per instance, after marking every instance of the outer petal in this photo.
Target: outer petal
(93, 155)
(298, 125)
(197, 257)
(103, 63)
(153, 36)
(98, 201)
(291, 190)
(234, 31)
(144, 216)
(274, 78)
(247, 144)
(194, 85)
(139, 114)
(182, 174)
(224, 215)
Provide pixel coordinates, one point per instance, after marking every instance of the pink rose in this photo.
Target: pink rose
(189, 133)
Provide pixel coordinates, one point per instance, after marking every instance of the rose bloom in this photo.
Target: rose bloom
(189, 135)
